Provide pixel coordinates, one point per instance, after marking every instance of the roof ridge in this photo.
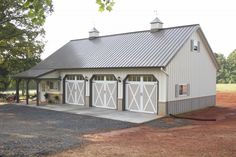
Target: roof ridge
(138, 31)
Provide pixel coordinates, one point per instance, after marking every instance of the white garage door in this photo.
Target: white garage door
(141, 94)
(104, 91)
(74, 85)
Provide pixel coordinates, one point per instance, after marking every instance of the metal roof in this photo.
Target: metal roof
(134, 49)
(156, 20)
(32, 73)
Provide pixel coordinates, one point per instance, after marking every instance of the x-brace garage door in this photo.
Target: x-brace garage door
(141, 94)
(104, 91)
(74, 90)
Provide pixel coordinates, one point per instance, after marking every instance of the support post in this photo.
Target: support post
(37, 90)
(64, 91)
(27, 91)
(17, 90)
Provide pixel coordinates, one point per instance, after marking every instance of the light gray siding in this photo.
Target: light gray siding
(187, 105)
(194, 68)
(54, 74)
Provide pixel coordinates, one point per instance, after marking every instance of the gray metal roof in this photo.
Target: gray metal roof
(135, 49)
(32, 73)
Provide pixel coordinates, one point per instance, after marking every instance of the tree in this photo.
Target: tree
(3, 76)
(232, 67)
(105, 5)
(222, 73)
(21, 34)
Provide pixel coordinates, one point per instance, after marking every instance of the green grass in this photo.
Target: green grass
(226, 87)
(31, 92)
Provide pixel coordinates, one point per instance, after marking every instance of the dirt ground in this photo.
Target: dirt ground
(198, 138)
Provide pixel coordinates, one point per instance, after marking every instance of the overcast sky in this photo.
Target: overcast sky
(72, 19)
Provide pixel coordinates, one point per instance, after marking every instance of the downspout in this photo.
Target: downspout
(167, 85)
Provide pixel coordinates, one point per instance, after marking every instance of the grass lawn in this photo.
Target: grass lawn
(31, 92)
(226, 87)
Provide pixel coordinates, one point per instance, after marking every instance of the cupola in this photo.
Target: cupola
(93, 33)
(156, 25)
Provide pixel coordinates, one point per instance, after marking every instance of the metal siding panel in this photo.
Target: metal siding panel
(195, 69)
(187, 105)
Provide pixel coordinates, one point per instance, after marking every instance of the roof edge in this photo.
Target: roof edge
(212, 56)
(181, 45)
(32, 77)
(137, 32)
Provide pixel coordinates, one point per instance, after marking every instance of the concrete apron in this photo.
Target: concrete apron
(126, 116)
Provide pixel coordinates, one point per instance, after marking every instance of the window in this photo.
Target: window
(134, 78)
(195, 46)
(74, 77)
(149, 78)
(182, 90)
(80, 77)
(99, 77)
(105, 77)
(53, 85)
(110, 78)
(43, 87)
(70, 77)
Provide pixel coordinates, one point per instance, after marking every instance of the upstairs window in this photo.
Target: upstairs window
(195, 46)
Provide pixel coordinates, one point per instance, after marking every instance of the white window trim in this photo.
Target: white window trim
(193, 41)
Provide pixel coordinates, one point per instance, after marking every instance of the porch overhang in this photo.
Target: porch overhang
(33, 73)
(36, 75)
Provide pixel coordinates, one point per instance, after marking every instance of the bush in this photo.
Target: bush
(46, 95)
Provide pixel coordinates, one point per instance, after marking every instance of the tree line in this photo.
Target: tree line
(22, 35)
(227, 71)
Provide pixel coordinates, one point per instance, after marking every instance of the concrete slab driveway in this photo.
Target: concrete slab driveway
(126, 116)
(27, 131)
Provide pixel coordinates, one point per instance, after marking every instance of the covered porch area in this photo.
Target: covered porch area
(47, 84)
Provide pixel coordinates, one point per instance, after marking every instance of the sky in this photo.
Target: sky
(72, 19)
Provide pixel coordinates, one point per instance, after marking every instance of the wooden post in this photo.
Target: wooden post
(27, 91)
(37, 89)
(17, 90)
(64, 91)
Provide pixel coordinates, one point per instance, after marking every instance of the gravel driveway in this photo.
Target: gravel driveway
(26, 131)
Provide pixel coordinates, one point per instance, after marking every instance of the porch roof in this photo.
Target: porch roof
(33, 73)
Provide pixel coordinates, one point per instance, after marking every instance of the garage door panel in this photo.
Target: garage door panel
(104, 92)
(133, 97)
(98, 94)
(70, 92)
(80, 93)
(111, 94)
(150, 97)
(141, 96)
(74, 92)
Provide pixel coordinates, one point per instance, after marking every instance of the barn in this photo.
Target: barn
(159, 71)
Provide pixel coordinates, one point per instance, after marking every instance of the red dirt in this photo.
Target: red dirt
(226, 99)
(209, 139)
